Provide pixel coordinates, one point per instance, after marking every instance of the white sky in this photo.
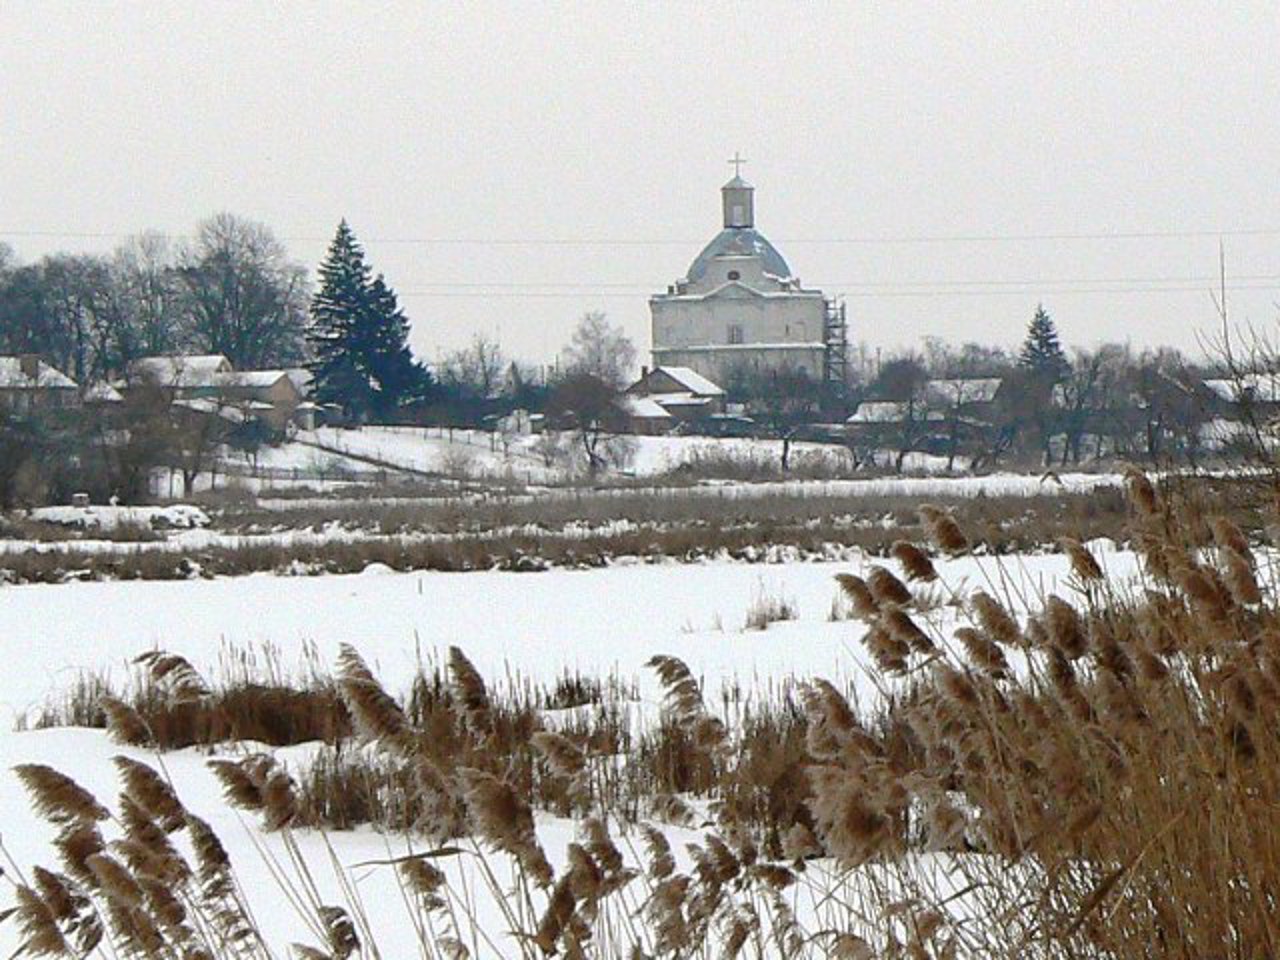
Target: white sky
(607, 125)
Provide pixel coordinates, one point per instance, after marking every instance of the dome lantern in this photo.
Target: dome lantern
(738, 198)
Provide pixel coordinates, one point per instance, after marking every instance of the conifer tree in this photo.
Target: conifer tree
(1041, 352)
(358, 334)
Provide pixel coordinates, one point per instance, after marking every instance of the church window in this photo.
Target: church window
(735, 333)
(734, 275)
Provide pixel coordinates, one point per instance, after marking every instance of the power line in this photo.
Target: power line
(866, 240)
(648, 286)
(1031, 291)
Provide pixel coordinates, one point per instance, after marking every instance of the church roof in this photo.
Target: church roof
(739, 242)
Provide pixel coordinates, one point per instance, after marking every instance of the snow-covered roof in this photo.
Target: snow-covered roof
(196, 370)
(301, 378)
(253, 379)
(1260, 387)
(12, 376)
(956, 390)
(213, 408)
(739, 241)
(102, 392)
(692, 381)
(681, 400)
(890, 411)
(644, 408)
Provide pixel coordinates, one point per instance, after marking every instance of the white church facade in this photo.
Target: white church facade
(740, 310)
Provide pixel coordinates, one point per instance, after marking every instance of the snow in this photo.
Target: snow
(173, 516)
(513, 626)
(691, 380)
(12, 376)
(598, 621)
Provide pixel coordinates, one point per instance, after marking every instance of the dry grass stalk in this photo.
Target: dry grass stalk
(124, 723)
(174, 674)
(469, 688)
(996, 620)
(859, 594)
(1228, 536)
(39, 926)
(942, 529)
(1064, 628)
(57, 797)
(376, 714)
(1083, 563)
(504, 820)
(1142, 493)
(151, 792)
(887, 589)
(900, 626)
(915, 562)
(983, 652)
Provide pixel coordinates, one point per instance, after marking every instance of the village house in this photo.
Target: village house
(684, 394)
(271, 396)
(28, 384)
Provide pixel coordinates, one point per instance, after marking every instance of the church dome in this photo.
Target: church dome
(739, 242)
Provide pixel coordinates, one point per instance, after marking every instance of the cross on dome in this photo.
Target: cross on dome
(736, 162)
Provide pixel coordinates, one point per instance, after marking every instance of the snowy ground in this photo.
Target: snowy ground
(607, 621)
(600, 622)
(329, 453)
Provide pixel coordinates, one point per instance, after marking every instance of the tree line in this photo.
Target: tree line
(231, 289)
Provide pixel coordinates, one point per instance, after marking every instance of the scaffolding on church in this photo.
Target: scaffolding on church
(835, 341)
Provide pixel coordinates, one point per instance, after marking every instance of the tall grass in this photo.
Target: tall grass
(1096, 780)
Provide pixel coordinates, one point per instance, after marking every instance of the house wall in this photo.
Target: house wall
(25, 399)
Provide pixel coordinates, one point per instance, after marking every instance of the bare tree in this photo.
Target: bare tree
(588, 407)
(602, 350)
(244, 298)
(477, 369)
(146, 286)
(784, 402)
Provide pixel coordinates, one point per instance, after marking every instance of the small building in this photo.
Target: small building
(684, 393)
(272, 396)
(180, 372)
(646, 416)
(269, 395)
(28, 384)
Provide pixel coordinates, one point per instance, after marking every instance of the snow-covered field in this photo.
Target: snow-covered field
(607, 621)
(329, 452)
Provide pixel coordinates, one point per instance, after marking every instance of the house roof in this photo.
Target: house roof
(260, 379)
(644, 408)
(102, 392)
(46, 378)
(196, 370)
(889, 411)
(681, 400)
(301, 378)
(1264, 387)
(692, 381)
(213, 408)
(963, 389)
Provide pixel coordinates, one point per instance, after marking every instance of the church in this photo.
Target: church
(739, 309)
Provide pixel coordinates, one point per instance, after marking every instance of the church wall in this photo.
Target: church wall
(720, 363)
(719, 320)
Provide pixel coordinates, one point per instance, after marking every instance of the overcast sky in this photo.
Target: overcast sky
(510, 166)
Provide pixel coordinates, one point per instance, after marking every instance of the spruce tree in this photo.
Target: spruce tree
(358, 336)
(1041, 352)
